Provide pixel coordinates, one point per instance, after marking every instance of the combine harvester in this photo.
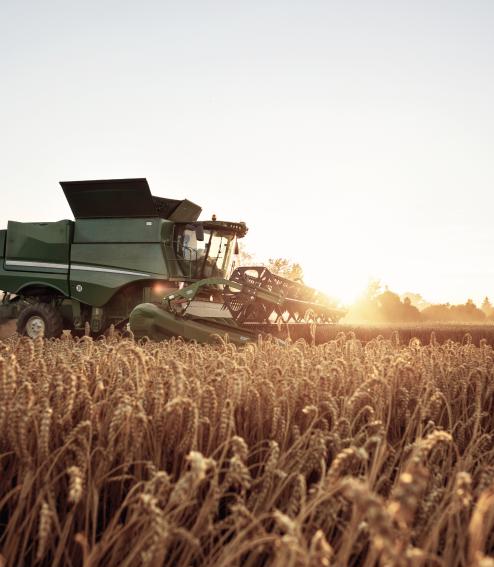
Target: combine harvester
(131, 258)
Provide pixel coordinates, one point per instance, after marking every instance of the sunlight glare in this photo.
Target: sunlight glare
(345, 286)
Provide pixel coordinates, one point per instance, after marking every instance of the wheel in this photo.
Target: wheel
(40, 320)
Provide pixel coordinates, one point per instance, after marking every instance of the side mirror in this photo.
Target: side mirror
(199, 233)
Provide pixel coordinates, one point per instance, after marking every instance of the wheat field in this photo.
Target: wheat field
(117, 453)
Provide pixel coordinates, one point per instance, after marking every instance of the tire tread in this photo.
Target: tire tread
(50, 314)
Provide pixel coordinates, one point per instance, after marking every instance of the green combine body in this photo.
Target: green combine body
(125, 247)
(131, 257)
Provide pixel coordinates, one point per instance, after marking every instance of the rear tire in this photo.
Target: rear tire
(40, 319)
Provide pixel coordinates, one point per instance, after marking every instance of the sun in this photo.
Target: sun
(345, 285)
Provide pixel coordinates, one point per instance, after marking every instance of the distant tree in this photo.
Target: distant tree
(410, 312)
(438, 313)
(366, 307)
(389, 305)
(280, 266)
(468, 313)
(378, 306)
(285, 268)
(487, 307)
(245, 258)
(416, 300)
(393, 310)
(465, 313)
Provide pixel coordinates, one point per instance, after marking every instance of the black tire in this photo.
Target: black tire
(40, 315)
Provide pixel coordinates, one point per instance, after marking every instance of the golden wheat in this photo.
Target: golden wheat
(116, 453)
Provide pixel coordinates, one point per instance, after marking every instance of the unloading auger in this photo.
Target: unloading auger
(252, 301)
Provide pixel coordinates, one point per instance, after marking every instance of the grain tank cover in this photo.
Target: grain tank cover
(124, 198)
(32, 245)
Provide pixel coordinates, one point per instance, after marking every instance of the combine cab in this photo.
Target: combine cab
(131, 255)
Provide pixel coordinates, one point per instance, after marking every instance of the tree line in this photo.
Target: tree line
(385, 306)
(388, 307)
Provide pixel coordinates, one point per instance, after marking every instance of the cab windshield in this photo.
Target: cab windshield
(208, 258)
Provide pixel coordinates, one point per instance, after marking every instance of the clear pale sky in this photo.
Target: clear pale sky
(356, 138)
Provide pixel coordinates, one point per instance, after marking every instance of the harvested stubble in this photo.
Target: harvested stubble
(122, 454)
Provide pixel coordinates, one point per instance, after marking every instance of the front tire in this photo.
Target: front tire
(40, 320)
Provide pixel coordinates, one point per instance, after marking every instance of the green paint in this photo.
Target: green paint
(78, 264)
(156, 323)
(29, 241)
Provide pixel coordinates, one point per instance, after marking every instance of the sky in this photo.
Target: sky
(356, 137)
